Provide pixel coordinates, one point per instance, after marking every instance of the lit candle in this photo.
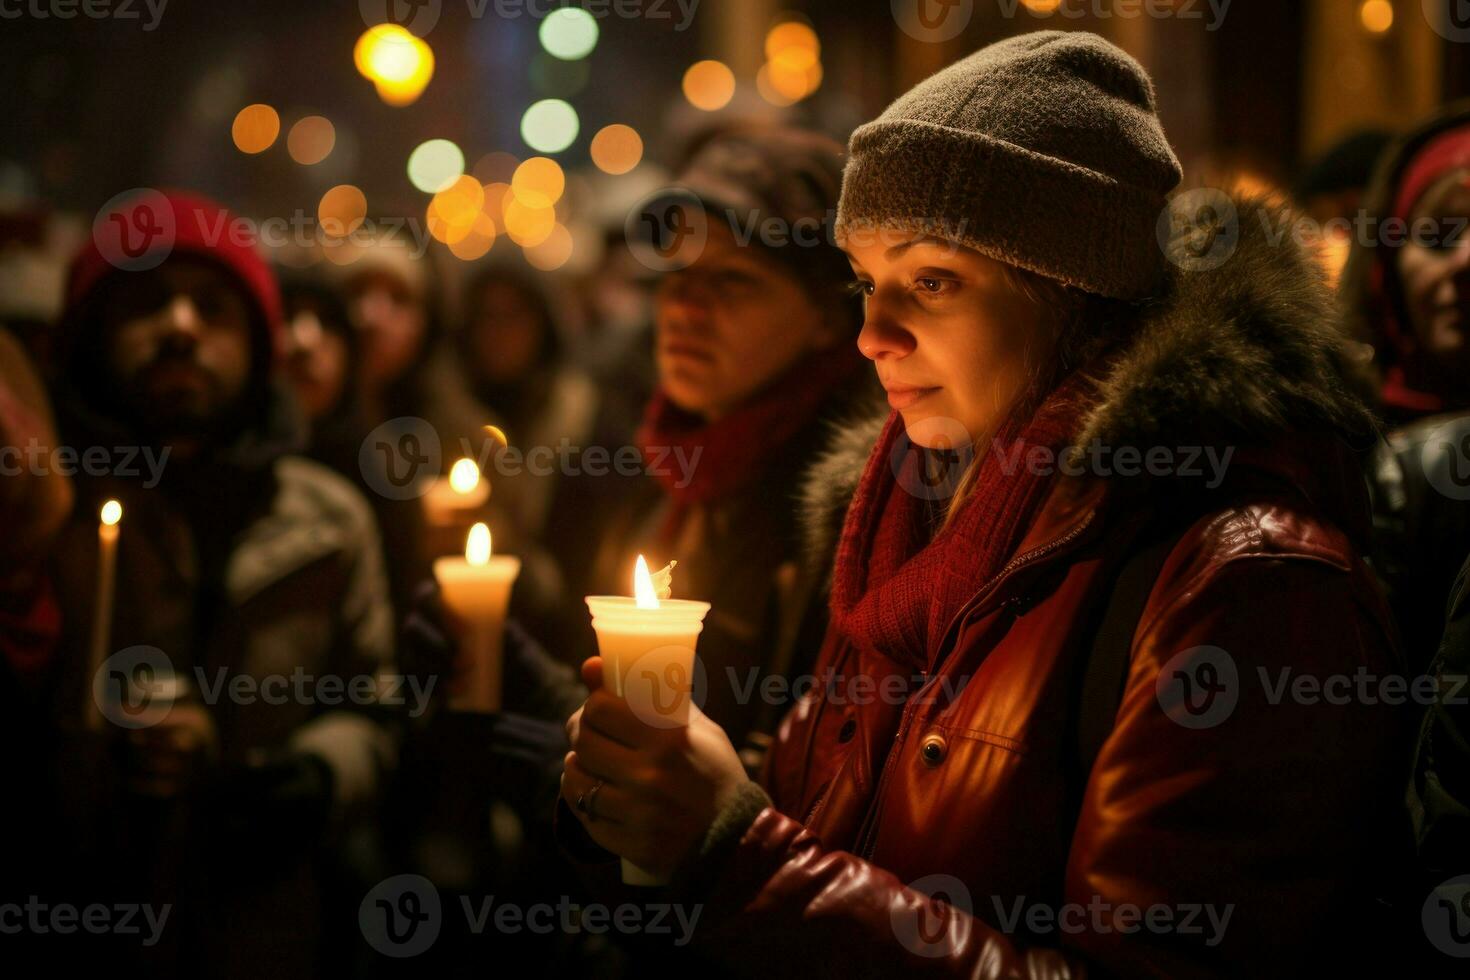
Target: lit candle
(476, 588)
(459, 494)
(647, 645)
(107, 534)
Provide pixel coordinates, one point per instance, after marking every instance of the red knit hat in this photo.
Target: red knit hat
(139, 229)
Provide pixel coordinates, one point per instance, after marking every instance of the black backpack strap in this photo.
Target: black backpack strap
(1112, 645)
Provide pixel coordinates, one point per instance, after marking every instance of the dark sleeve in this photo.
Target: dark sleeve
(1439, 796)
(536, 683)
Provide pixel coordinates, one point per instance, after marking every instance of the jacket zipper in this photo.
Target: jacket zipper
(870, 835)
(1016, 563)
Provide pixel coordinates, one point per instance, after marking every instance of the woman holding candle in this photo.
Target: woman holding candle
(943, 806)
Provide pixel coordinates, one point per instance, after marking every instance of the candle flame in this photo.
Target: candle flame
(477, 545)
(111, 512)
(464, 476)
(498, 434)
(643, 591)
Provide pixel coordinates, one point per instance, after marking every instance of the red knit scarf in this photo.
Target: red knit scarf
(730, 452)
(894, 588)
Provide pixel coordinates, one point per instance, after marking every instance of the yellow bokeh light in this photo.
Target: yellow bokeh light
(709, 85)
(1043, 7)
(616, 149)
(1376, 16)
(255, 128)
(554, 252)
(794, 59)
(538, 182)
(528, 226)
(475, 244)
(780, 85)
(311, 140)
(768, 91)
(398, 64)
(341, 210)
(386, 53)
(793, 42)
(457, 211)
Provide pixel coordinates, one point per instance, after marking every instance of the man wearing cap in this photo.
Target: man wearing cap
(251, 578)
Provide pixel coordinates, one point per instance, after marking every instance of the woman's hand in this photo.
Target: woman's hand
(661, 787)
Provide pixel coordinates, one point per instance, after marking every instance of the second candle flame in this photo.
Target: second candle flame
(477, 545)
(464, 476)
(643, 591)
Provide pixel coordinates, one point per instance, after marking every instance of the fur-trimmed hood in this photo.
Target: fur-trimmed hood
(1245, 348)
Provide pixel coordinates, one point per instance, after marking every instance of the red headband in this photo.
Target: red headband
(1448, 151)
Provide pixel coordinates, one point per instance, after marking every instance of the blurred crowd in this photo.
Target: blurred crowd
(255, 422)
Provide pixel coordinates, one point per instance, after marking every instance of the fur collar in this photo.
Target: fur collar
(1242, 352)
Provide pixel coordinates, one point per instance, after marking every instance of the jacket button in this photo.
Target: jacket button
(932, 751)
(848, 730)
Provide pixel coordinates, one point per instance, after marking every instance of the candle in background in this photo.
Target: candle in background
(476, 588)
(452, 498)
(647, 647)
(107, 534)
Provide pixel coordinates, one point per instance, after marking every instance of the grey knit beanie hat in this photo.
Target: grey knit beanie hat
(1044, 151)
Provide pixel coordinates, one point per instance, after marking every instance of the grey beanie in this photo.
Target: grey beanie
(1044, 151)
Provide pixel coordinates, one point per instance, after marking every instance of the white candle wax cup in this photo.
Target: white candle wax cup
(648, 654)
(476, 588)
(462, 492)
(647, 646)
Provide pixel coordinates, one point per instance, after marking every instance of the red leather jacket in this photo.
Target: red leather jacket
(1226, 828)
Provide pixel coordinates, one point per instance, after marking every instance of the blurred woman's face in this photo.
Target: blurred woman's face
(731, 323)
(1434, 271)
(390, 323)
(316, 361)
(947, 332)
(507, 333)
